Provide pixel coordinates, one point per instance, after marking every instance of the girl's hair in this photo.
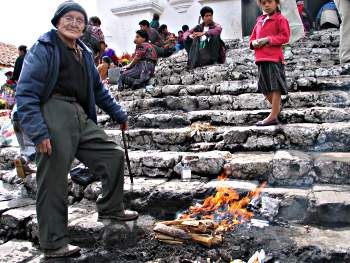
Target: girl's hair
(162, 28)
(277, 1)
(23, 48)
(143, 34)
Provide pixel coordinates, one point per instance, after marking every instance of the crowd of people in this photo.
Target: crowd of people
(61, 80)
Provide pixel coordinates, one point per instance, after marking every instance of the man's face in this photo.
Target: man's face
(138, 39)
(208, 18)
(268, 6)
(20, 53)
(71, 25)
(144, 28)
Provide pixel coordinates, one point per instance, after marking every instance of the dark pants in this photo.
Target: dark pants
(212, 47)
(137, 76)
(74, 135)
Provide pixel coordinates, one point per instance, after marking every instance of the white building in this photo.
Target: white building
(120, 18)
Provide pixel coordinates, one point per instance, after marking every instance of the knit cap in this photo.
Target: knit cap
(66, 7)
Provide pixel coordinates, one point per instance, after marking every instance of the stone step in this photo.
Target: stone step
(238, 87)
(233, 118)
(318, 205)
(178, 74)
(83, 226)
(247, 101)
(305, 136)
(281, 168)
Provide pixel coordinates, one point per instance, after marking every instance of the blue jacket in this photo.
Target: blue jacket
(38, 80)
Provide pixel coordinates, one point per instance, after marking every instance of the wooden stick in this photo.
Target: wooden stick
(176, 222)
(171, 231)
(206, 240)
(165, 237)
(172, 242)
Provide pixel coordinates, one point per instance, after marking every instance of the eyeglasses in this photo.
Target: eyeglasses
(70, 20)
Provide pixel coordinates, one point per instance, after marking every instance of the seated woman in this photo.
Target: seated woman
(203, 43)
(169, 41)
(141, 69)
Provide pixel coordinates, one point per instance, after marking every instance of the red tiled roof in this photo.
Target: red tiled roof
(8, 55)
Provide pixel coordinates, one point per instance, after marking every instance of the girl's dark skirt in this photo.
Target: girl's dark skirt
(272, 77)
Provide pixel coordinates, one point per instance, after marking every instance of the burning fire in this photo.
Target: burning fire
(227, 208)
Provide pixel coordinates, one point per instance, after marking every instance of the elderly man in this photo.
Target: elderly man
(344, 11)
(56, 97)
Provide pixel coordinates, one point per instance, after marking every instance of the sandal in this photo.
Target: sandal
(268, 123)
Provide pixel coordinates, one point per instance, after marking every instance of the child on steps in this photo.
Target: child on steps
(270, 33)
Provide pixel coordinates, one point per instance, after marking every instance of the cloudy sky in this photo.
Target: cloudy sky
(23, 21)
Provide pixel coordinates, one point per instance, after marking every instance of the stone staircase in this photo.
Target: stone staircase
(207, 116)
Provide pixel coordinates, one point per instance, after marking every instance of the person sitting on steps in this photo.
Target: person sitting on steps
(141, 68)
(169, 41)
(210, 43)
(269, 34)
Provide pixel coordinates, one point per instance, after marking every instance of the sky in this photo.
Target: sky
(23, 21)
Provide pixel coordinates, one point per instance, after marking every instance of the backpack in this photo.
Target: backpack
(91, 40)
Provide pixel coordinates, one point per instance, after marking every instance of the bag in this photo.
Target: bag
(82, 175)
(91, 40)
(114, 75)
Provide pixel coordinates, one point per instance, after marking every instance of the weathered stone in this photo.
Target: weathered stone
(7, 155)
(254, 166)
(329, 205)
(327, 241)
(8, 192)
(292, 168)
(15, 203)
(92, 191)
(332, 167)
(19, 251)
(89, 231)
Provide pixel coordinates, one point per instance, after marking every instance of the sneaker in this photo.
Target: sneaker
(125, 215)
(65, 251)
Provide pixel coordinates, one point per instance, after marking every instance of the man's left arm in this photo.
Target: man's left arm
(106, 102)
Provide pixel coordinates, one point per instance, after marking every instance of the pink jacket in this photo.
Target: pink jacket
(277, 30)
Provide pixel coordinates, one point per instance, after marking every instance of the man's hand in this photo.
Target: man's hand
(124, 126)
(45, 147)
(198, 34)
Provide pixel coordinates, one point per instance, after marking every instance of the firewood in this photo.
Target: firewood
(207, 240)
(165, 237)
(171, 231)
(172, 242)
(175, 222)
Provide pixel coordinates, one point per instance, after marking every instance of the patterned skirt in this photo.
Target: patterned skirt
(272, 77)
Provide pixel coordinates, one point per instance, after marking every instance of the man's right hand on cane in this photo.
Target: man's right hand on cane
(45, 147)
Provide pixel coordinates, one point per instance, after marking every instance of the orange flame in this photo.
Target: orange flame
(225, 207)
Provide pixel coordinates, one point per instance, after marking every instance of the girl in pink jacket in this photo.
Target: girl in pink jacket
(270, 33)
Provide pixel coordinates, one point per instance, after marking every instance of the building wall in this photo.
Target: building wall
(120, 17)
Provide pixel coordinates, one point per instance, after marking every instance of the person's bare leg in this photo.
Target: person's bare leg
(276, 106)
(269, 98)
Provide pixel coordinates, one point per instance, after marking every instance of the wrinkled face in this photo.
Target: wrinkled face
(208, 18)
(269, 6)
(139, 40)
(144, 28)
(71, 25)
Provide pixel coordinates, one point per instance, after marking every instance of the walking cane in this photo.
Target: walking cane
(127, 156)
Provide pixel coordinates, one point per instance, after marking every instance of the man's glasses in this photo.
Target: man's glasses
(71, 20)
